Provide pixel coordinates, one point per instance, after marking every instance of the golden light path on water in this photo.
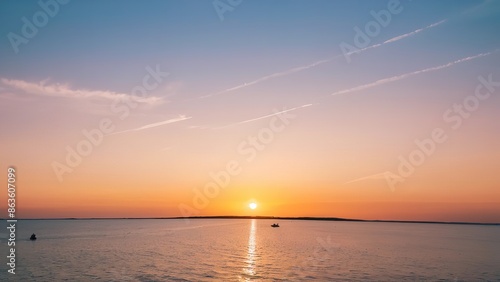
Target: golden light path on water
(249, 269)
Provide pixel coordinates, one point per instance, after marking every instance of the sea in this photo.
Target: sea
(250, 250)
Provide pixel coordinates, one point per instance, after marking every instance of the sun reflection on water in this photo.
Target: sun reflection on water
(249, 269)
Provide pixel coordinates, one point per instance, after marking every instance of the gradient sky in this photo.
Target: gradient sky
(227, 79)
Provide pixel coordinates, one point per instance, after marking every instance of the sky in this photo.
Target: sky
(356, 109)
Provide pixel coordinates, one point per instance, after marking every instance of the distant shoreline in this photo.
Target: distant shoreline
(270, 217)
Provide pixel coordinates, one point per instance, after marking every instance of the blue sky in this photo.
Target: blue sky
(189, 39)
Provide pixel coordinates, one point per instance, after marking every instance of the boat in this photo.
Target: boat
(33, 237)
(275, 225)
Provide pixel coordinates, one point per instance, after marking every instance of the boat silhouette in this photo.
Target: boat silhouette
(275, 225)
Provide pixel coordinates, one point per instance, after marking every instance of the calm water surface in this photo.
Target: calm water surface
(250, 250)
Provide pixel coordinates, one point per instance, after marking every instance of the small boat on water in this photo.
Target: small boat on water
(33, 237)
(275, 225)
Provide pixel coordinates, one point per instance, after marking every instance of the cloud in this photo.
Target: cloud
(266, 116)
(156, 124)
(406, 75)
(42, 88)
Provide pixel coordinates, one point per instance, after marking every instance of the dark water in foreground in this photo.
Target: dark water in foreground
(250, 250)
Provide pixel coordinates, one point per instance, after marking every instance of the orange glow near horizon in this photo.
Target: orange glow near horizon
(39, 196)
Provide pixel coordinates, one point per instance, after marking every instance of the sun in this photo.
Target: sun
(252, 206)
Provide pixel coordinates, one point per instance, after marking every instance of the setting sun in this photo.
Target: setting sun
(252, 206)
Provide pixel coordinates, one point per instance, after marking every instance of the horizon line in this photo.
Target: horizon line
(267, 217)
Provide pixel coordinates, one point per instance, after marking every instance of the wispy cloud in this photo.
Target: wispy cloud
(43, 88)
(406, 75)
(156, 124)
(266, 116)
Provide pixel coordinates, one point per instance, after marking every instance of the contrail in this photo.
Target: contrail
(403, 76)
(396, 38)
(374, 84)
(274, 75)
(266, 116)
(475, 8)
(379, 176)
(301, 68)
(382, 175)
(156, 124)
(413, 32)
